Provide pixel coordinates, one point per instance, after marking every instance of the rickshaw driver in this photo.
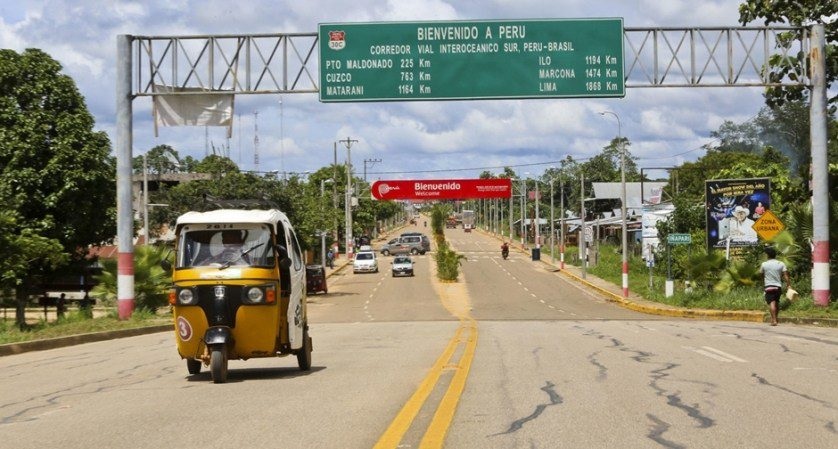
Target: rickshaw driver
(232, 243)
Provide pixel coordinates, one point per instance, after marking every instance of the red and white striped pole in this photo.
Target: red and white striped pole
(820, 179)
(124, 173)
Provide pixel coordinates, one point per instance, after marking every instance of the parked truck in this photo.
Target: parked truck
(468, 220)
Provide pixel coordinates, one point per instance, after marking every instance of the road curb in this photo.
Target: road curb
(656, 309)
(70, 340)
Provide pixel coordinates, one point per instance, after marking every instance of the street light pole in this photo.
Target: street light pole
(623, 199)
(323, 231)
(561, 214)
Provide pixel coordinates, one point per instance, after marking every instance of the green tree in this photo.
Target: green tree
(160, 159)
(606, 167)
(20, 247)
(689, 178)
(787, 128)
(55, 171)
(216, 165)
(742, 138)
(784, 127)
(772, 165)
(800, 13)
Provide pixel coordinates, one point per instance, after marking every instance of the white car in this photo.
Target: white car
(365, 262)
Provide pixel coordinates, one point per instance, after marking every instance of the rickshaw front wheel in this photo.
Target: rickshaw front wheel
(193, 366)
(218, 364)
(304, 355)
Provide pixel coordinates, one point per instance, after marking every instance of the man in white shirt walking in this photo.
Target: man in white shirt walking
(773, 272)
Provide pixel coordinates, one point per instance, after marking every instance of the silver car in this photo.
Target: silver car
(407, 244)
(402, 266)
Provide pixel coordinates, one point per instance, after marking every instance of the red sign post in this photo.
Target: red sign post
(442, 189)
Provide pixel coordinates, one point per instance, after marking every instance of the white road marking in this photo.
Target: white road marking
(724, 354)
(800, 368)
(715, 354)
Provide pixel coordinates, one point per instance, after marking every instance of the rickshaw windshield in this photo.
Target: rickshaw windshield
(208, 245)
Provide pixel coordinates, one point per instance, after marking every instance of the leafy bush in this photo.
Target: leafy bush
(447, 262)
(738, 274)
(151, 282)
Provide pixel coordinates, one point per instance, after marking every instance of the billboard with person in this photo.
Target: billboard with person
(732, 208)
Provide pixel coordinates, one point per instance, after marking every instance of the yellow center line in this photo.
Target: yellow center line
(454, 298)
(435, 435)
(396, 430)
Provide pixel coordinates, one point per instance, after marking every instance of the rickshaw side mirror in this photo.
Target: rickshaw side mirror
(166, 265)
(284, 260)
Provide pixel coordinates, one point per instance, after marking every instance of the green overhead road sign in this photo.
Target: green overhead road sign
(679, 239)
(459, 60)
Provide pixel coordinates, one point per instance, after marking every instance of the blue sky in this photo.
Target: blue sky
(297, 132)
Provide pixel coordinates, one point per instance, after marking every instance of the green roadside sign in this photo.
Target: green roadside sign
(460, 60)
(679, 239)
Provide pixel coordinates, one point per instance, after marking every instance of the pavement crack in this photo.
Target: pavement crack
(602, 369)
(764, 381)
(674, 399)
(518, 424)
(659, 427)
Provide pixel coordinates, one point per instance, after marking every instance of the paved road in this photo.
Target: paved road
(519, 289)
(483, 363)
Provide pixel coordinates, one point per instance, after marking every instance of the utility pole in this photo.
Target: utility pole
(511, 206)
(348, 207)
(552, 224)
(323, 231)
(335, 195)
(372, 162)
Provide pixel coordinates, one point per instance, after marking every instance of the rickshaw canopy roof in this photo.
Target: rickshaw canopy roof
(269, 217)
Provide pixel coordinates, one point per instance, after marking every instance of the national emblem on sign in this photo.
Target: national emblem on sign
(384, 189)
(337, 40)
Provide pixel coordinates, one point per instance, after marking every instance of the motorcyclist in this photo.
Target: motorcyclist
(504, 250)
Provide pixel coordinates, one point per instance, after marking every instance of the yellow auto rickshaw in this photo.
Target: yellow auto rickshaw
(238, 289)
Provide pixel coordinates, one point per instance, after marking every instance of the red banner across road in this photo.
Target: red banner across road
(442, 189)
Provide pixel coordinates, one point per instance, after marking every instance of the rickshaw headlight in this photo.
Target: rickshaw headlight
(186, 297)
(255, 295)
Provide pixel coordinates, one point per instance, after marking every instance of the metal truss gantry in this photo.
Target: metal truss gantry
(288, 63)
